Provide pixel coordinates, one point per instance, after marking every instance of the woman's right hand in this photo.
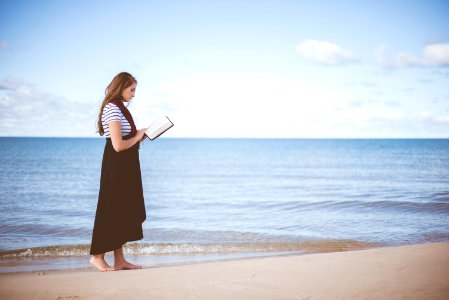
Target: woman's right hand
(141, 134)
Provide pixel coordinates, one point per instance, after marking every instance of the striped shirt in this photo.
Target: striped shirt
(112, 112)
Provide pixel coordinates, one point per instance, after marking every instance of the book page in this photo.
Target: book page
(158, 127)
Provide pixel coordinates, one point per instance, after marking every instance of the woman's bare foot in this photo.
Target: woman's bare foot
(120, 262)
(100, 263)
(125, 266)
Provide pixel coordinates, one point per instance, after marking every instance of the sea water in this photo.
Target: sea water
(225, 198)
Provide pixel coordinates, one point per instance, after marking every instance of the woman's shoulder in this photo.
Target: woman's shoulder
(111, 107)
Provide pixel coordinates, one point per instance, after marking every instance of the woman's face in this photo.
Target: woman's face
(129, 92)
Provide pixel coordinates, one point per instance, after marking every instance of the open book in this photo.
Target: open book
(158, 127)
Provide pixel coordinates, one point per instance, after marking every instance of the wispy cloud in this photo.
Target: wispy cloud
(382, 58)
(27, 111)
(391, 123)
(356, 103)
(324, 52)
(9, 83)
(433, 55)
(3, 44)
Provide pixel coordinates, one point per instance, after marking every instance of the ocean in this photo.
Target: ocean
(213, 199)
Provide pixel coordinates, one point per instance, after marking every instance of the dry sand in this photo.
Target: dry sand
(406, 272)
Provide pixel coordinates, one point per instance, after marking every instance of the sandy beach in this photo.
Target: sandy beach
(405, 272)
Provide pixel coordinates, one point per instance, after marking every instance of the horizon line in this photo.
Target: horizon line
(230, 137)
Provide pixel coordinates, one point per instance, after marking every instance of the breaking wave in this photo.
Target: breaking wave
(193, 248)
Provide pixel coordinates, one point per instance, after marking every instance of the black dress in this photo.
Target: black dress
(120, 208)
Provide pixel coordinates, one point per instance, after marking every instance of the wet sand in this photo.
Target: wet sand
(405, 272)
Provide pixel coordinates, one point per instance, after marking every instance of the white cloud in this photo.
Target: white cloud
(3, 44)
(436, 55)
(28, 111)
(433, 55)
(324, 52)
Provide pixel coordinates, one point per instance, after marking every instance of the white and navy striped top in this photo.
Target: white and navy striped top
(111, 112)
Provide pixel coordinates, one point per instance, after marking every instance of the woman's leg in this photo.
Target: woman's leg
(120, 263)
(98, 261)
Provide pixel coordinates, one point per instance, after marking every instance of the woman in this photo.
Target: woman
(121, 208)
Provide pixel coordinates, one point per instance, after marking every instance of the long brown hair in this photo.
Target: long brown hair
(113, 93)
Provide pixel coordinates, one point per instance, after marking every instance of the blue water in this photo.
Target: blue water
(214, 192)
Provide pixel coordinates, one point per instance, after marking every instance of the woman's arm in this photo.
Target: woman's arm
(115, 129)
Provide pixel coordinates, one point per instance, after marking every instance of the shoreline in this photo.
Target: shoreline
(170, 261)
(418, 271)
(74, 257)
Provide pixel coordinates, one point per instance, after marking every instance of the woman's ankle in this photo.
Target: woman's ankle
(119, 257)
(96, 256)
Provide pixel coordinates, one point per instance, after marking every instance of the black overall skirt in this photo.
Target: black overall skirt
(120, 208)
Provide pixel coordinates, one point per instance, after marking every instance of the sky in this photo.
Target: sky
(259, 69)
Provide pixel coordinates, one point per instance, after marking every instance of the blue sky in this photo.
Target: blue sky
(229, 68)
